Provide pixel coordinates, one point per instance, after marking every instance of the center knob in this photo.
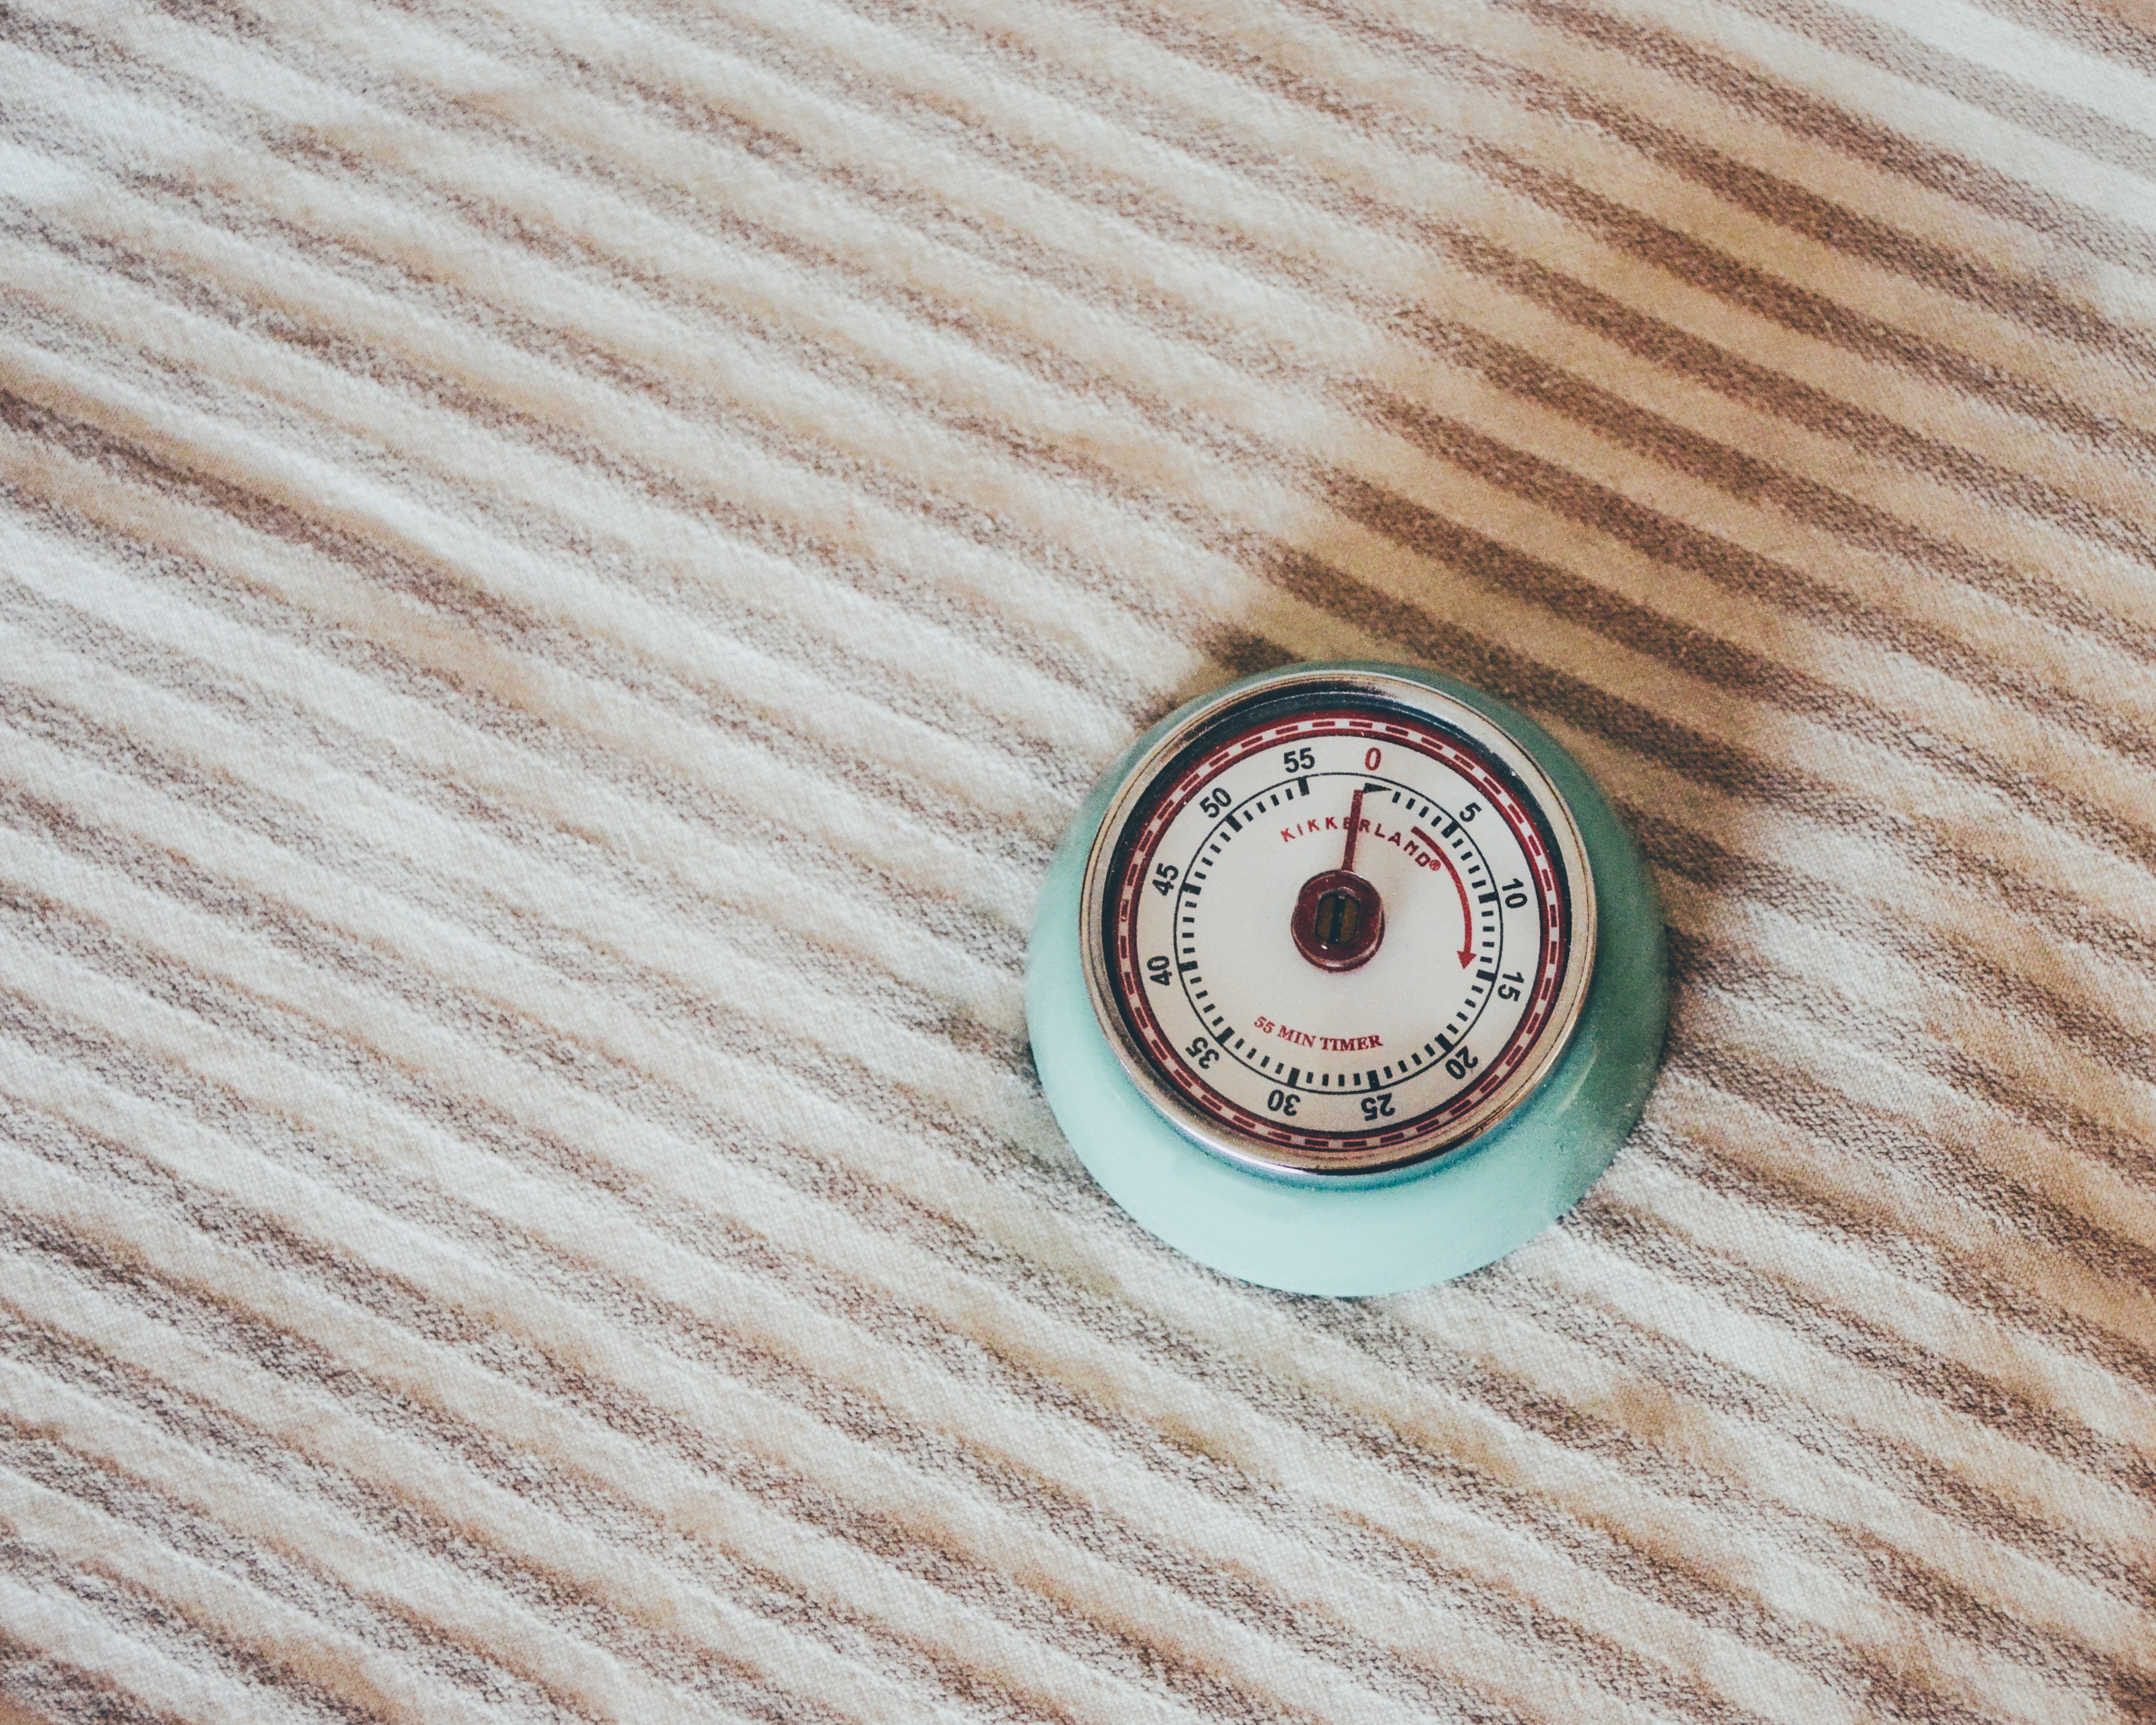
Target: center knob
(1338, 920)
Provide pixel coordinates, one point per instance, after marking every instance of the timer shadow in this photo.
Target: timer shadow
(1790, 696)
(1729, 674)
(1721, 676)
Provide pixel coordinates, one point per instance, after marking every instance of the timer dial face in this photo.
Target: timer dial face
(1340, 923)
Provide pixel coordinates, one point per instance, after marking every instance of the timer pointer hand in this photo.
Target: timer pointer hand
(1466, 916)
(1339, 919)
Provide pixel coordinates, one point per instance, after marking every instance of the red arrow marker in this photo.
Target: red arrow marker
(1466, 916)
(1354, 827)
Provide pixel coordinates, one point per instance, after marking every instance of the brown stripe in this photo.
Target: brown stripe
(1644, 631)
(252, 810)
(1855, 134)
(987, 939)
(221, 897)
(701, 1668)
(1604, 1504)
(1872, 1563)
(1759, 387)
(1520, 374)
(2025, 299)
(2106, 28)
(1329, 589)
(71, 426)
(782, 536)
(854, 1310)
(1250, 656)
(1826, 1116)
(666, 1658)
(481, 679)
(1701, 266)
(1817, 315)
(1949, 1266)
(1692, 754)
(329, 1685)
(38, 1687)
(1929, 950)
(449, 592)
(913, 1547)
(1743, 476)
(1729, 565)
(2028, 298)
(1694, 854)
(612, 1079)
(1748, 974)
(1833, 1329)
(407, 1518)
(850, 1087)
(285, 1574)
(859, 1310)
(355, 960)
(1807, 313)
(1877, 1461)
(708, 806)
(132, 1610)
(1896, 50)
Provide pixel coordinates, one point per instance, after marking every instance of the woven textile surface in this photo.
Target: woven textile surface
(562, 567)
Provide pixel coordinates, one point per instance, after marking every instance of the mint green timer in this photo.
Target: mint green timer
(1347, 980)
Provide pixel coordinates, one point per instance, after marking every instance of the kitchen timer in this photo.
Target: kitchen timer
(1346, 979)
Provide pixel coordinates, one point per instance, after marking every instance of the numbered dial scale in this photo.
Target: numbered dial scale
(1339, 924)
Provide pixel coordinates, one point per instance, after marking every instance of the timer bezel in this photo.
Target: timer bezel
(1282, 698)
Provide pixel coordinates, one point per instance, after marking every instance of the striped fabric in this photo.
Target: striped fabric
(562, 567)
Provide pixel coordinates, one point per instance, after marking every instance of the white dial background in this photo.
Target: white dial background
(1235, 1017)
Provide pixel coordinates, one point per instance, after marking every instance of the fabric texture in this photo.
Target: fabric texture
(562, 567)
